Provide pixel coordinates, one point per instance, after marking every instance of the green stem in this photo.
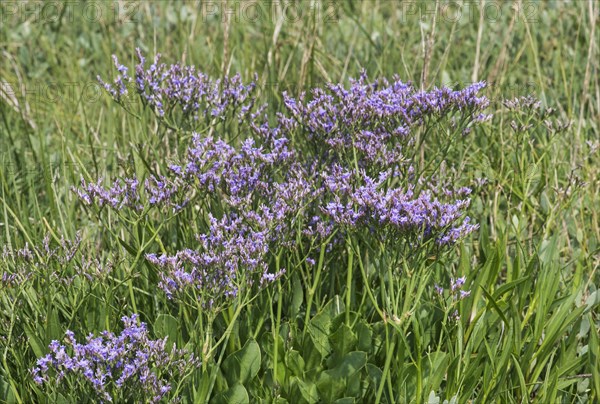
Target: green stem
(388, 360)
(313, 289)
(224, 338)
(276, 329)
(277, 322)
(349, 281)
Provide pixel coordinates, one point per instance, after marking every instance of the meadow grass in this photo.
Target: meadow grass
(344, 329)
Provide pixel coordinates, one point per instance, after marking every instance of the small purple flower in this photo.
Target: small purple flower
(126, 365)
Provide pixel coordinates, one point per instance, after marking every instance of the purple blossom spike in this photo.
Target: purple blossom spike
(128, 365)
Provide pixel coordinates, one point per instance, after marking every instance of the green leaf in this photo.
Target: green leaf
(236, 394)
(592, 301)
(343, 340)
(365, 336)
(243, 365)
(297, 295)
(436, 368)
(374, 374)
(95, 312)
(128, 247)
(332, 383)
(508, 287)
(321, 324)
(305, 389)
(345, 400)
(4, 386)
(295, 363)
(494, 305)
(53, 329)
(311, 354)
(351, 363)
(166, 326)
(329, 387)
(34, 342)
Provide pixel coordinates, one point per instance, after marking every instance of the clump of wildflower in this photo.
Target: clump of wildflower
(122, 193)
(232, 256)
(357, 175)
(455, 292)
(373, 124)
(357, 200)
(180, 95)
(126, 366)
(60, 262)
(118, 89)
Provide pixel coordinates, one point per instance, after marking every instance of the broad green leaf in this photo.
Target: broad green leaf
(306, 389)
(351, 363)
(236, 394)
(321, 324)
(374, 374)
(365, 336)
(311, 354)
(343, 340)
(330, 388)
(295, 362)
(243, 365)
(34, 342)
(166, 325)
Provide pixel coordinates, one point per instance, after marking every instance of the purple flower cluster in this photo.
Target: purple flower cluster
(54, 263)
(373, 123)
(231, 256)
(358, 200)
(122, 193)
(118, 89)
(338, 162)
(180, 94)
(128, 365)
(261, 188)
(213, 166)
(455, 291)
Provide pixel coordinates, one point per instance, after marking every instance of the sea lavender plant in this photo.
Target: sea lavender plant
(371, 125)
(57, 263)
(360, 175)
(232, 256)
(122, 193)
(128, 366)
(358, 201)
(182, 97)
(259, 190)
